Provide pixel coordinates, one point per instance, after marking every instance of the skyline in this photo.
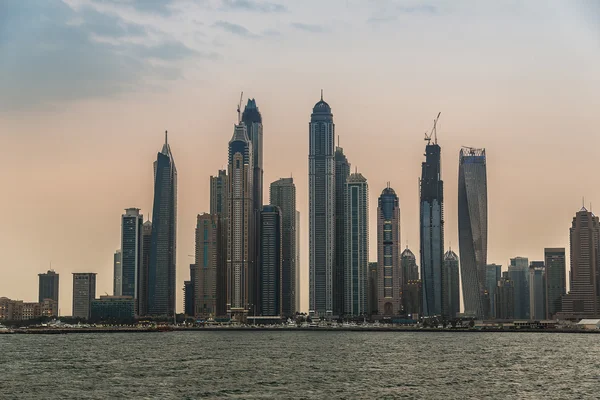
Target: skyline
(97, 175)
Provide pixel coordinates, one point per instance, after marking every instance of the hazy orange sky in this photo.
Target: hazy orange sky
(87, 89)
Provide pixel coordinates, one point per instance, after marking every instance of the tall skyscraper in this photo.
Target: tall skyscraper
(342, 172)
(48, 288)
(452, 289)
(298, 266)
(207, 288)
(254, 129)
(270, 271)
(357, 246)
(142, 303)
(188, 298)
(240, 244)
(493, 273)
(583, 301)
(283, 195)
(84, 291)
(321, 200)
(432, 232)
(219, 207)
(388, 254)
(504, 298)
(131, 253)
(163, 247)
(472, 228)
(410, 269)
(117, 274)
(373, 292)
(537, 290)
(556, 287)
(518, 272)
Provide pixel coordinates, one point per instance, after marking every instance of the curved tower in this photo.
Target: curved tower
(388, 254)
(472, 228)
(240, 270)
(321, 192)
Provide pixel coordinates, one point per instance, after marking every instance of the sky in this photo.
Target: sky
(88, 87)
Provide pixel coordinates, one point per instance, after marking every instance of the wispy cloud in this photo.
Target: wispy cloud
(309, 27)
(160, 7)
(254, 6)
(235, 29)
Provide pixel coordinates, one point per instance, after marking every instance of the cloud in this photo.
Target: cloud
(51, 54)
(160, 7)
(419, 9)
(254, 6)
(309, 27)
(234, 29)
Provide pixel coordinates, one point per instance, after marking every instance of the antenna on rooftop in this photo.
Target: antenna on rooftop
(239, 108)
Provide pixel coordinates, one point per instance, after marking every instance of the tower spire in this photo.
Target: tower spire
(166, 141)
(321, 94)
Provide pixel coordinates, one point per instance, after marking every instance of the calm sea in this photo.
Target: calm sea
(300, 365)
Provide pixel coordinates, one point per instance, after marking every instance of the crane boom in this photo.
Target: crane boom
(239, 108)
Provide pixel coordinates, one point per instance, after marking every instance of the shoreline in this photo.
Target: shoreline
(64, 331)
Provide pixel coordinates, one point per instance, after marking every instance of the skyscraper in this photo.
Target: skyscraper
(504, 298)
(270, 271)
(388, 254)
(472, 228)
(537, 290)
(188, 298)
(283, 195)
(321, 200)
(252, 118)
(556, 287)
(117, 274)
(240, 244)
(131, 252)
(452, 289)
(207, 266)
(432, 232)
(163, 247)
(518, 272)
(84, 291)
(373, 292)
(583, 301)
(298, 266)
(410, 269)
(219, 207)
(342, 172)
(142, 303)
(357, 246)
(48, 288)
(493, 273)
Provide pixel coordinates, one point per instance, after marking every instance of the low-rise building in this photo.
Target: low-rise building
(589, 324)
(113, 308)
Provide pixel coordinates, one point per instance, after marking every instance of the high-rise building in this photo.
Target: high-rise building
(388, 254)
(452, 288)
(84, 291)
(218, 193)
(537, 290)
(208, 288)
(270, 271)
(432, 233)
(252, 118)
(504, 298)
(472, 228)
(342, 172)
(219, 207)
(583, 301)
(188, 298)
(373, 292)
(241, 233)
(412, 299)
(410, 269)
(556, 287)
(357, 246)
(282, 194)
(321, 200)
(518, 272)
(131, 252)
(142, 303)
(298, 275)
(493, 273)
(163, 247)
(117, 274)
(48, 287)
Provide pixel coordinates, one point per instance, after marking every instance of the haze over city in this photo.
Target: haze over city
(87, 89)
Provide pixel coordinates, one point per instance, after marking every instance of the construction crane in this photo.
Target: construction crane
(239, 108)
(433, 131)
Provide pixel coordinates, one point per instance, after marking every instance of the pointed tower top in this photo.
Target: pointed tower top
(321, 94)
(166, 141)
